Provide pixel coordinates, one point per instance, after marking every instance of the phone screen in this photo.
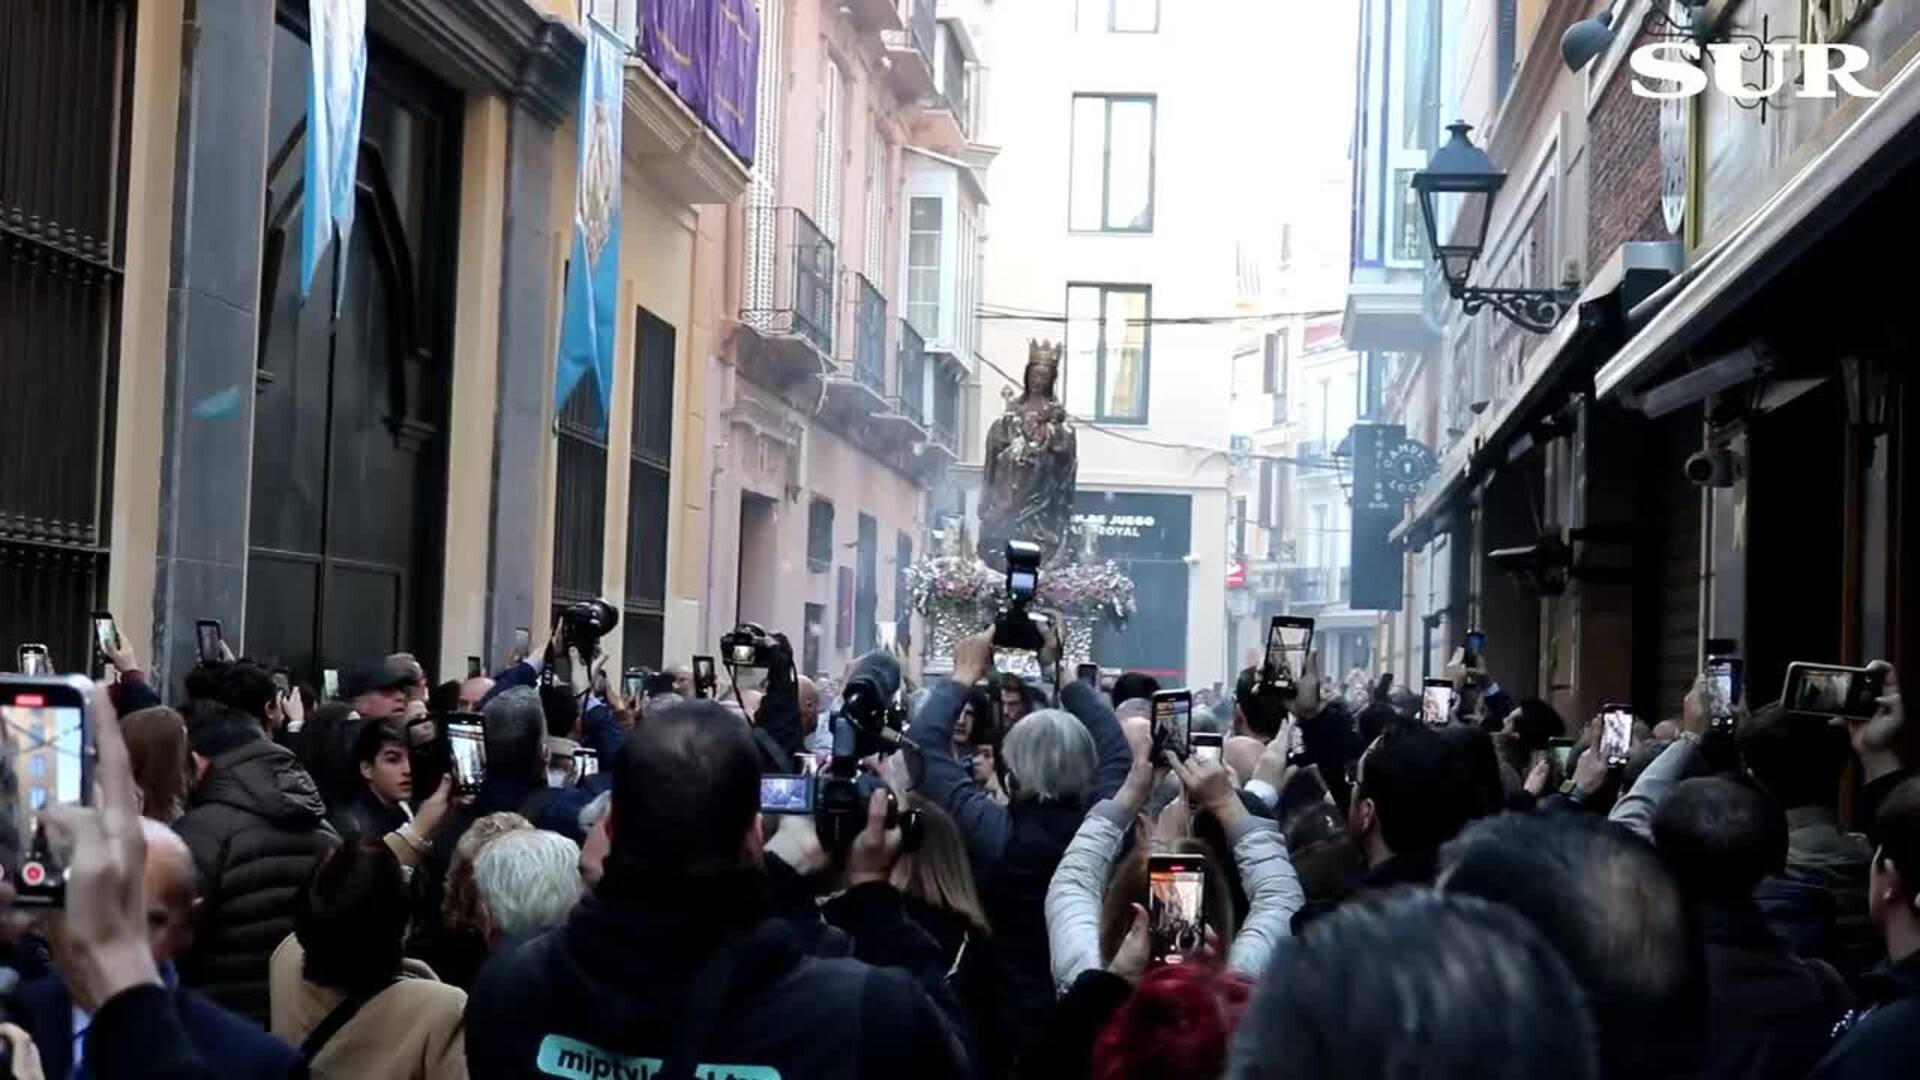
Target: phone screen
(1023, 583)
(1288, 640)
(330, 684)
(468, 743)
(704, 677)
(1023, 663)
(786, 794)
(33, 660)
(1562, 751)
(282, 683)
(1089, 674)
(1476, 646)
(1206, 745)
(1436, 702)
(1616, 733)
(208, 633)
(1173, 720)
(46, 741)
(1723, 686)
(105, 634)
(1176, 903)
(1852, 693)
(585, 763)
(522, 641)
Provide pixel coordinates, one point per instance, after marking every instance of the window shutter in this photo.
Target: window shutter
(762, 233)
(877, 191)
(827, 158)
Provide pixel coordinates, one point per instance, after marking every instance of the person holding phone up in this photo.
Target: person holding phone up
(1077, 892)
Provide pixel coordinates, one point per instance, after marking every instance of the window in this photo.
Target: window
(1268, 504)
(1273, 378)
(1506, 42)
(815, 628)
(877, 153)
(827, 152)
(1119, 16)
(1109, 334)
(37, 799)
(37, 767)
(580, 499)
(1112, 166)
(902, 590)
(866, 596)
(820, 535)
(649, 480)
(924, 216)
(1240, 527)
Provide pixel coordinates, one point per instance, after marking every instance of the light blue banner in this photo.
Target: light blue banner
(593, 275)
(338, 40)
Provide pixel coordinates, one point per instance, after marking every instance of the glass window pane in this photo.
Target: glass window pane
(1125, 394)
(1083, 337)
(1089, 158)
(1130, 166)
(1136, 16)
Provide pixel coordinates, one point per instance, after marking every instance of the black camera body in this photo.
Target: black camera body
(748, 646)
(1014, 627)
(841, 793)
(582, 625)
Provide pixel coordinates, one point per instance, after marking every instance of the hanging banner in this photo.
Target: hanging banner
(675, 40)
(732, 105)
(336, 86)
(586, 321)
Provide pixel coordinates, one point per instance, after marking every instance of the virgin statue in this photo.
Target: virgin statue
(1030, 466)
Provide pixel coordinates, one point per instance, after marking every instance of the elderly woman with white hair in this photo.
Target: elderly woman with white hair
(1059, 764)
(529, 881)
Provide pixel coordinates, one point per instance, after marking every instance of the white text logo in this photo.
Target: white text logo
(1669, 69)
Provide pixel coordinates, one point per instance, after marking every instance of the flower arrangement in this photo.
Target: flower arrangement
(954, 587)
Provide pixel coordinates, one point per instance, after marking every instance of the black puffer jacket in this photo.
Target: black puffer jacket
(256, 827)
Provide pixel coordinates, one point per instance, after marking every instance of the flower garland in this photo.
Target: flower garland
(951, 586)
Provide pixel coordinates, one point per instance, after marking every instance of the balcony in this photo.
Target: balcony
(946, 414)
(911, 401)
(858, 389)
(696, 145)
(944, 123)
(909, 52)
(871, 15)
(789, 314)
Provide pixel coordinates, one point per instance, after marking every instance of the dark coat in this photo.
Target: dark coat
(256, 827)
(1880, 1042)
(229, 1044)
(1771, 1014)
(614, 989)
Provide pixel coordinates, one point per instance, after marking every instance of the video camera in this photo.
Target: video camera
(867, 721)
(582, 625)
(748, 646)
(1015, 627)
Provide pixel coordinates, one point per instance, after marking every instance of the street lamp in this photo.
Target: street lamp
(1457, 187)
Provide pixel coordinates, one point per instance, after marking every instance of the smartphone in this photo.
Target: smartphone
(1561, 749)
(282, 683)
(1207, 744)
(1830, 690)
(522, 642)
(635, 682)
(1721, 646)
(207, 633)
(1173, 721)
(1476, 647)
(1723, 689)
(585, 763)
(106, 634)
(1089, 674)
(475, 669)
(1288, 640)
(1436, 702)
(330, 684)
(705, 679)
(49, 741)
(467, 749)
(809, 763)
(786, 794)
(1176, 907)
(35, 660)
(1616, 732)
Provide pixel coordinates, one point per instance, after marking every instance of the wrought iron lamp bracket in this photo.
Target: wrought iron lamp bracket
(1535, 310)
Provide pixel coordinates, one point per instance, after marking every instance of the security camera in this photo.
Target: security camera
(1716, 466)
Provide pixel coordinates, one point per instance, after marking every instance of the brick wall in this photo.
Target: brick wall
(1623, 184)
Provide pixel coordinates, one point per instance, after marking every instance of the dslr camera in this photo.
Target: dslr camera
(582, 625)
(867, 721)
(748, 646)
(1014, 627)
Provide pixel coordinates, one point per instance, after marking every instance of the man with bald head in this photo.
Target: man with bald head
(473, 692)
(229, 1043)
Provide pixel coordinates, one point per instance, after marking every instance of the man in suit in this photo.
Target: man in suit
(230, 1043)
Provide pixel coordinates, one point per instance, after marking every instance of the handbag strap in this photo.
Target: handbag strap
(338, 1017)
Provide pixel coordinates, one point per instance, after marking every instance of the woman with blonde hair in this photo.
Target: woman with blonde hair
(459, 943)
(157, 745)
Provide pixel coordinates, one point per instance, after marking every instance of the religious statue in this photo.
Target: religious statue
(1030, 466)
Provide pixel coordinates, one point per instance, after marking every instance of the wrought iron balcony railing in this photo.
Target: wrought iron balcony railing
(790, 277)
(912, 400)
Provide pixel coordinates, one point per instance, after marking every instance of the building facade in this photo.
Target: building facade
(394, 477)
(1616, 491)
(1114, 216)
(846, 308)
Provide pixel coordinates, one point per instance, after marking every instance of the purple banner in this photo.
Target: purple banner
(674, 42)
(732, 100)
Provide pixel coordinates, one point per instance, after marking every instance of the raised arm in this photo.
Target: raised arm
(982, 821)
(1636, 808)
(1109, 744)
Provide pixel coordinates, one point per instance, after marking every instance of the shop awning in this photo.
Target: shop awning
(1634, 272)
(1868, 153)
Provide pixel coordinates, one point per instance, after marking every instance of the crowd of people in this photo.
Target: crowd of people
(267, 884)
